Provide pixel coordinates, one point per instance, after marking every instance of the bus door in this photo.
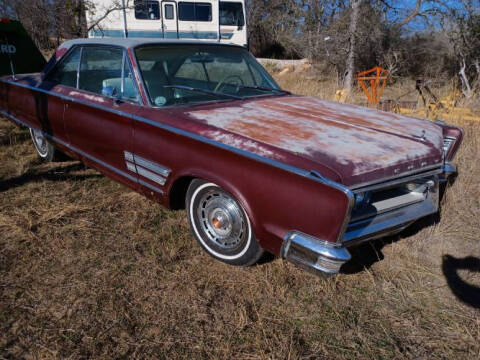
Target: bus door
(232, 22)
(170, 19)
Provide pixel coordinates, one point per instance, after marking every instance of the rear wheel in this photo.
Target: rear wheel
(221, 225)
(45, 150)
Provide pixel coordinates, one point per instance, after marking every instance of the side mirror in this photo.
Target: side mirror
(110, 91)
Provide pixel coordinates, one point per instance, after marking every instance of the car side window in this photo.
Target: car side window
(66, 72)
(101, 67)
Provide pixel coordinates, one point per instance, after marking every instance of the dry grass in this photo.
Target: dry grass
(89, 269)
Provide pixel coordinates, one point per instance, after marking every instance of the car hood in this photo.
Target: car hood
(358, 143)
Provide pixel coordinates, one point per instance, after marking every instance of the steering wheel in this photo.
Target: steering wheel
(222, 82)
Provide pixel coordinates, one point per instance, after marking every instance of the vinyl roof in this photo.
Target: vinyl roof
(134, 42)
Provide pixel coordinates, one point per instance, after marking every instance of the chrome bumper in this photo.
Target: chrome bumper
(312, 254)
(324, 257)
(448, 170)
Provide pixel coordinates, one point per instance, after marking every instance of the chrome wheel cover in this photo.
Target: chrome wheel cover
(221, 219)
(40, 142)
(219, 222)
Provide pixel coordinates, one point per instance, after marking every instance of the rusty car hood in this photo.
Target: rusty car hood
(359, 144)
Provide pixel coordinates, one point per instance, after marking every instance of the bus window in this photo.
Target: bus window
(169, 12)
(231, 14)
(147, 10)
(189, 11)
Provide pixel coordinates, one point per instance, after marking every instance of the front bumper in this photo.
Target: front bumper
(384, 216)
(448, 170)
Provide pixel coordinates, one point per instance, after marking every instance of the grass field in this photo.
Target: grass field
(89, 269)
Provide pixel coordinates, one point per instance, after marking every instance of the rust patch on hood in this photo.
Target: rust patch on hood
(269, 131)
(352, 137)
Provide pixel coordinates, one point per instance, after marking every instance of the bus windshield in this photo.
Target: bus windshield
(231, 13)
(182, 74)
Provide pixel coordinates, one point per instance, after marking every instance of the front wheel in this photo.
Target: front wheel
(221, 225)
(45, 150)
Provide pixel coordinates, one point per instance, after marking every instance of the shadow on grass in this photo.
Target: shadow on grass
(60, 173)
(266, 258)
(16, 138)
(465, 292)
(370, 252)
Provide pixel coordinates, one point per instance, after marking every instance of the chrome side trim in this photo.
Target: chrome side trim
(163, 171)
(289, 168)
(82, 153)
(151, 187)
(150, 175)
(128, 156)
(131, 167)
(146, 168)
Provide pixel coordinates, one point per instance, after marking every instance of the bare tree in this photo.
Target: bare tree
(464, 34)
(424, 9)
(352, 49)
(99, 13)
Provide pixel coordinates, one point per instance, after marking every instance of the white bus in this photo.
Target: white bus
(210, 20)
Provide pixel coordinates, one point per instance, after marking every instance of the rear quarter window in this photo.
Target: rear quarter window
(65, 72)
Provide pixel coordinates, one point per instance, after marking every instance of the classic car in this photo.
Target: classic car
(203, 126)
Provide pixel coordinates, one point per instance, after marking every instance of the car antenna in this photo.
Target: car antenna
(12, 67)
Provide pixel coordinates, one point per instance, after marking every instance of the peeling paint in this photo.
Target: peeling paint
(243, 143)
(86, 96)
(355, 137)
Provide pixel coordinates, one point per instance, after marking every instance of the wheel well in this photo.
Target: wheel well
(178, 192)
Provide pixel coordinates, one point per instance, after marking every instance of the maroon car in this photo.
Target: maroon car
(204, 127)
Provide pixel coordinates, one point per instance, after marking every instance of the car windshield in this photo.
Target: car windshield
(186, 74)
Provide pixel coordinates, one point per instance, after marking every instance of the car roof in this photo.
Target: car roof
(135, 42)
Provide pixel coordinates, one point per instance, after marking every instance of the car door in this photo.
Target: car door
(170, 22)
(44, 109)
(186, 19)
(98, 118)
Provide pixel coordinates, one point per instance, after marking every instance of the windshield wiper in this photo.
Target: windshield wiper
(265, 89)
(204, 91)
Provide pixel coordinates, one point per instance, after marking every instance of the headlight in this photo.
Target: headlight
(448, 141)
(362, 199)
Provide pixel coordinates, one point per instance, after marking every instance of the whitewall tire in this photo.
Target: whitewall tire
(221, 225)
(45, 150)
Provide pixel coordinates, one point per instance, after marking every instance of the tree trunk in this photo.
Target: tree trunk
(463, 76)
(81, 20)
(477, 68)
(352, 30)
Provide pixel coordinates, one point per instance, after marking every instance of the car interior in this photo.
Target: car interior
(172, 75)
